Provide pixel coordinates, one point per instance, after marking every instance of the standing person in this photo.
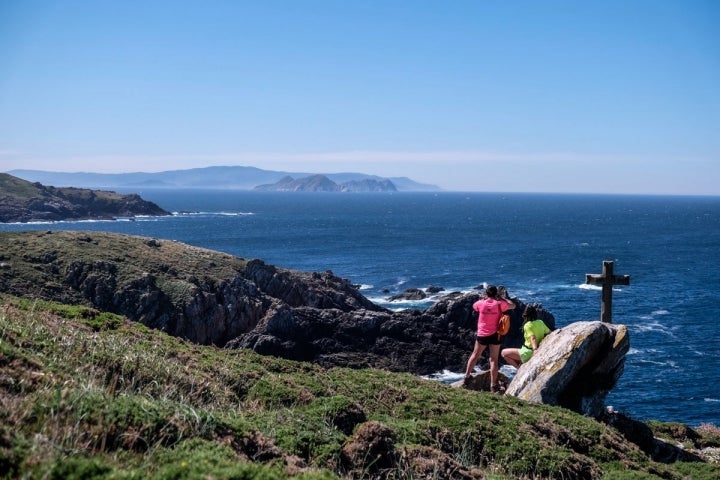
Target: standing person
(534, 330)
(489, 309)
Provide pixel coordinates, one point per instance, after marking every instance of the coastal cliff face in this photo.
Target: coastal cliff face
(210, 297)
(205, 296)
(22, 201)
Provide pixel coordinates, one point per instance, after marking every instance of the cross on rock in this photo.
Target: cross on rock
(607, 280)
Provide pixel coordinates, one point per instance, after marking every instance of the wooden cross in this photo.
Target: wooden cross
(607, 280)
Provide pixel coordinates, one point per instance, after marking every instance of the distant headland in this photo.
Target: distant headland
(23, 201)
(224, 177)
(321, 183)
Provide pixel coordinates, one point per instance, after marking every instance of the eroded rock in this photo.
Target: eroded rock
(575, 367)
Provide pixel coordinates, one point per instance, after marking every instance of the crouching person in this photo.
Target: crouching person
(534, 330)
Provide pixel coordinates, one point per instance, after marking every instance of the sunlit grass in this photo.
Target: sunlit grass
(91, 395)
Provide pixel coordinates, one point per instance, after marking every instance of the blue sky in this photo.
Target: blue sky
(541, 96)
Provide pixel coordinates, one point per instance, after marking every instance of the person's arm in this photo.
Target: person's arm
(534, 342)
(510, 304)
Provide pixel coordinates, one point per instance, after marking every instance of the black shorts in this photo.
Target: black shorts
(493, 339)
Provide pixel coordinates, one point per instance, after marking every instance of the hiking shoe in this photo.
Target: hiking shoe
(498, 389)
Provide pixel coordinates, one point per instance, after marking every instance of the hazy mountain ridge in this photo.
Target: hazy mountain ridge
(230, 177)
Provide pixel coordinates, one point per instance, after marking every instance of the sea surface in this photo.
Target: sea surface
(540, 246)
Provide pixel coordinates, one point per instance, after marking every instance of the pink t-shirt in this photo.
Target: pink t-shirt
(488, 315)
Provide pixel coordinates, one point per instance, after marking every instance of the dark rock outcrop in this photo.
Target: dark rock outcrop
(422, 342)
(409, 294)
(22, 201)
(481, 382)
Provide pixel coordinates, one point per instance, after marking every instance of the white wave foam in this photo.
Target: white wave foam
(587, 286)
(668, 363)
(365, 286)
(707, 399)
(446, 376)
(405, 303)
(651, 327)
(211, 214)
(508, 371)
(660, 312)
(646, 351)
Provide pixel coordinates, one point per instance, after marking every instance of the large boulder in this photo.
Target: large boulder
(575, 367)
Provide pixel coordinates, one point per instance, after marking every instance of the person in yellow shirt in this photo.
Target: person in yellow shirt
(534, 330)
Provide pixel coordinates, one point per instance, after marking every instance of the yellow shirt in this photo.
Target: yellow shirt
(535, 328)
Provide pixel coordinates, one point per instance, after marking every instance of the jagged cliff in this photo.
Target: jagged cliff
(210, 297)
(22, 201)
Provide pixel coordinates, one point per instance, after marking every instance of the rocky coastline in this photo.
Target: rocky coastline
(212, 298)
(23, 202)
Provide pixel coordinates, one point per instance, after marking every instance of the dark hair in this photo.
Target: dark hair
(491, 291)
(530, 312)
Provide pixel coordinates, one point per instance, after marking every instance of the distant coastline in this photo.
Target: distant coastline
(25, 202)
(220, 177)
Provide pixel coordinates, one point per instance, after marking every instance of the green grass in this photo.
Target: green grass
(39, 262)
(16, 187)
(91, 395)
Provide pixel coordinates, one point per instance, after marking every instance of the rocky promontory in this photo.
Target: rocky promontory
(80, 379)
(23, 201)
(210, 297)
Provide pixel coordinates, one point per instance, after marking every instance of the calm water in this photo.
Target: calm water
(539, 246)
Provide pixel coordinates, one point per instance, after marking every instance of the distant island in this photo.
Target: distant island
(321, 183)
(23, 201)
(223, 177)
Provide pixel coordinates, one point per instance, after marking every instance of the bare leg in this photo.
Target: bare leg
(494, 354)
(512, 356)
(474, 357)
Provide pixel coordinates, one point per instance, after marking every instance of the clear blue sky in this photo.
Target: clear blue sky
(550, 96)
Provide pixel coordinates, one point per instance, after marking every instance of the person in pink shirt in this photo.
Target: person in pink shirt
(489, 309)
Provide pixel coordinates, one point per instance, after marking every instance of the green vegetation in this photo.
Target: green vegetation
(16, 187)
(86, 394)
(34, 261)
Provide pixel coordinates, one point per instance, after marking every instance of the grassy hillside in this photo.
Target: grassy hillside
(91, 395)
(37, 260)
(16, 187)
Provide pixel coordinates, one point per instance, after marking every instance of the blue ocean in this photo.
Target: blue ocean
(540, 246)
